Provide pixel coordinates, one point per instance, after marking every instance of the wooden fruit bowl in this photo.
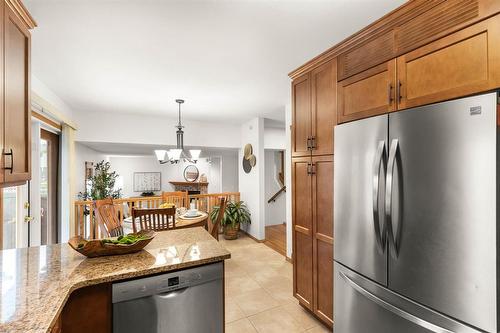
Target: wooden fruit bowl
(96, 248)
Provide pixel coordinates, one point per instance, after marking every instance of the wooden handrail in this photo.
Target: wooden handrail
(87, 227)
(273, 198)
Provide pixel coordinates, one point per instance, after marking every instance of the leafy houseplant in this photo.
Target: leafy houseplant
(235, 214)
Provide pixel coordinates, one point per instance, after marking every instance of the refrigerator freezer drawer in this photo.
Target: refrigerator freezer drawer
(364, 306)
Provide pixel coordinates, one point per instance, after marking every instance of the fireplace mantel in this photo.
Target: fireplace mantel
(190, 186)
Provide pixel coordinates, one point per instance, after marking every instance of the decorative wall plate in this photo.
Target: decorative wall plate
(248, 151)
(246, 165)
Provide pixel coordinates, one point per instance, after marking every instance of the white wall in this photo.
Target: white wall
(125, 166)
(274, 138)
(84, 154)
(288, 179)
(153, 130)
(251, 185)
(60, 110)
(230, 167)
(215, 176)
(275, 211)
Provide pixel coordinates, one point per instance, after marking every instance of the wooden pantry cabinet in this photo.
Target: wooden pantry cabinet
(15, 109)
(312, 199)
(313, 111)
(313, 118)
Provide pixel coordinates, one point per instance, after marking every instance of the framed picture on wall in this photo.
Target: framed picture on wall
(89, 171)
(147, 181)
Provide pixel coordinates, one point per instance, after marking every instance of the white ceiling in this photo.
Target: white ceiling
(229, 59)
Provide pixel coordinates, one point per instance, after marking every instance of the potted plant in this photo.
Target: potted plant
(100, 185)
(236, 213)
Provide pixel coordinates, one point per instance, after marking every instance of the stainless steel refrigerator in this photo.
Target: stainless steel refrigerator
(415, 205)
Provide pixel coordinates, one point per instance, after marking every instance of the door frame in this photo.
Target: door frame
(53, 158)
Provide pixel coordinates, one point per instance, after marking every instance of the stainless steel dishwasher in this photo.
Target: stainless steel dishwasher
(186, 301)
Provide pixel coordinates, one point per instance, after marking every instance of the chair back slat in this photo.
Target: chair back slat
(156, 219)
(108, 218)
(214, 226)
(179, 198)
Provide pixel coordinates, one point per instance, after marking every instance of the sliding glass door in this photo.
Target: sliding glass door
(15, 215)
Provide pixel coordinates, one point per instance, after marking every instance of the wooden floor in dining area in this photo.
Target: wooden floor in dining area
(276, 238)
(258, 291)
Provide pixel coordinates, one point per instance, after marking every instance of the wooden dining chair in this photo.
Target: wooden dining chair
(213, 226)
(178, 198)
(107, 216)
(156, 219)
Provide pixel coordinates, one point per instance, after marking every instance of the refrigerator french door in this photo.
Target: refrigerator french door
(415, 220)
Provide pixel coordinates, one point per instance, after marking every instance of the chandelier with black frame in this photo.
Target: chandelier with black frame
(175, 155)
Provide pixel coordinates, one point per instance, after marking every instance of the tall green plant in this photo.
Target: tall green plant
(236, 212)
(102, 184)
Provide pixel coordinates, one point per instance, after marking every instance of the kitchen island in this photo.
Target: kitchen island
(39, 283)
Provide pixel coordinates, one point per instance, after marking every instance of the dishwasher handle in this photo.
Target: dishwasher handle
(171, 294)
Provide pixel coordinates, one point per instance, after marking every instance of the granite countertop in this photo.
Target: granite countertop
(36, 282)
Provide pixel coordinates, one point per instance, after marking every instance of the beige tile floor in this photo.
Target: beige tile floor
(259, 292)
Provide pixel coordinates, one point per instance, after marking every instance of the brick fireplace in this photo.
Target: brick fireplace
(191, 187)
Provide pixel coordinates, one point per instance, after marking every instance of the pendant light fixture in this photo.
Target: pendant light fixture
(175, 155)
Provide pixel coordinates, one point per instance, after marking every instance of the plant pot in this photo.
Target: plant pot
(231, 232)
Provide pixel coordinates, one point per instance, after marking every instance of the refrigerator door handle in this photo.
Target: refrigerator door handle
(380, 161)
(394, 309)
(389, 181)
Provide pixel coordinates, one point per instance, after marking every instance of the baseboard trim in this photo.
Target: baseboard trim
(252, 237)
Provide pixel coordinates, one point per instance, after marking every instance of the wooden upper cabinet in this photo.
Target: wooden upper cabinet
(302, 231)
(322, 189)
(374, 52)
(301, 116)
(464, 63)
(17, 147)
(324, 106)
(369, 93)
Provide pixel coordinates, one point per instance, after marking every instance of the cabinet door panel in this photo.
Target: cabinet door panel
(324, 107)
(303, 265)
(302, 231)
(301, 114)
(461, 64)
(323, 237)
(17, 91)
(367, 94)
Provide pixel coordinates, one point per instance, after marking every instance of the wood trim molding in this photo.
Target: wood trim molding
(252, 237)
(46, 120)
(406, 12)
(302, 230)
(324, 238)
(190, 183)
(21, 11)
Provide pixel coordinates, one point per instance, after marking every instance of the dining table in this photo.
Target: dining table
(181, 222)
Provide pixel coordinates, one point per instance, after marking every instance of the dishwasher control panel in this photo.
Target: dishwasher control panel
(142, 287)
